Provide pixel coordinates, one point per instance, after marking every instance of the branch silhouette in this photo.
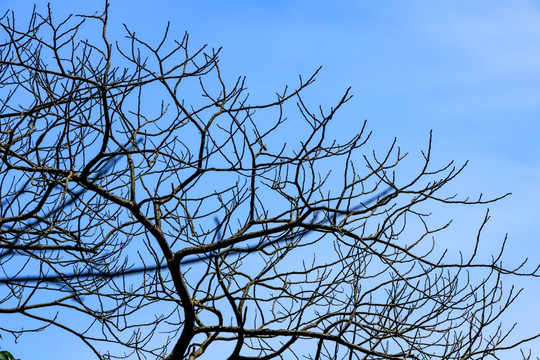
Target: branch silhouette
(243, 218)
(184, 261)
(74, 196)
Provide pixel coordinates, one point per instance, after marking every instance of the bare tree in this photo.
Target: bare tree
(150, 222)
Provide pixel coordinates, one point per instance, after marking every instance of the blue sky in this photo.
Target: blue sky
(469, 71)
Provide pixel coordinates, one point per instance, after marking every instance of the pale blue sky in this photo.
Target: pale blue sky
(468, 70)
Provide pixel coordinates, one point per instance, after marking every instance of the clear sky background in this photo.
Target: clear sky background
(468, 70)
